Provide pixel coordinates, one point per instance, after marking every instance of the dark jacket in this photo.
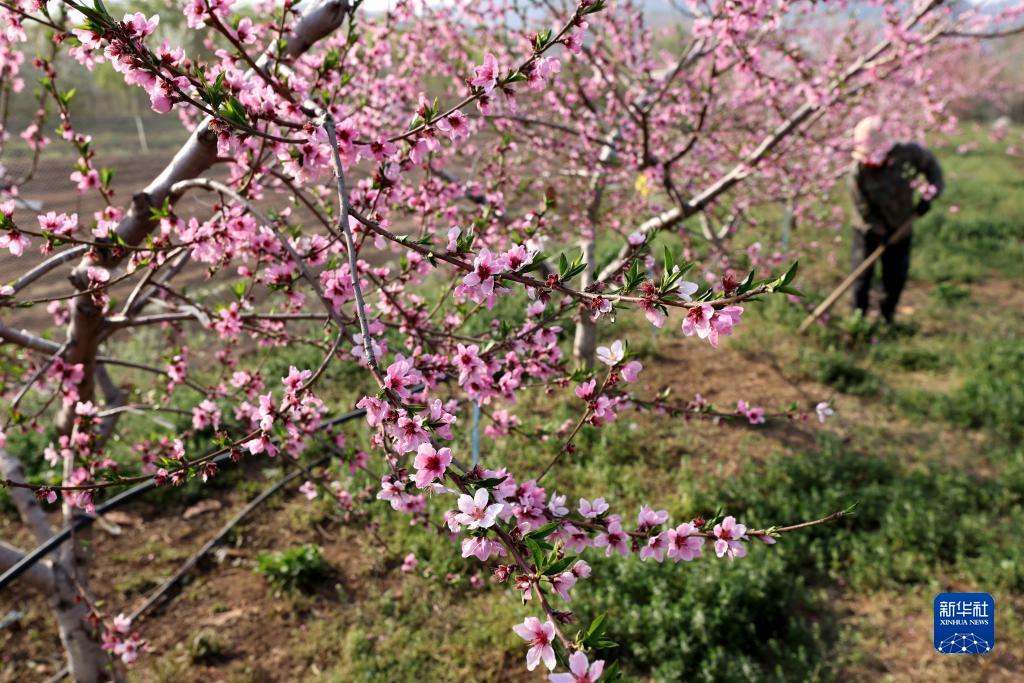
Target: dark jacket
(883, 195)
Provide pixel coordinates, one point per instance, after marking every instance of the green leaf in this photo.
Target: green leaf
(536, 551)
(490, 483)
(544, 531)
(542, 39)
(559, 566)
(788, 276)
(596, 631)
(747, 283)
(234, 111)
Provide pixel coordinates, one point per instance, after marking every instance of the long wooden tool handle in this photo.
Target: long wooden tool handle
(851, 278)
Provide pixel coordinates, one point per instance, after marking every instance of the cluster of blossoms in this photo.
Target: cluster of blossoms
(708, 323)
(121, 641)
(479, 285)
(356, 108)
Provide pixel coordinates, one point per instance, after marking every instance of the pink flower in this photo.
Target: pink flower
(685, 290)
(654, 315)
(823, 410)
(582, 671)
(487, 74)
(600, 306)
(631, 369)
(656, 547)
(410, 433)
(61, 225)
(382, 150)
(481, 548)
(453, 239)
(475, 512)
(261, 444)
(612, 356)
(409, 563)
(539, 636)
(295, 379)
(683, 543)
(139, 26)
(431, 464)
(195, 13)
(723, 322)
(401, 376)
(97, 275)
(122, 624)
(162, 95)
(556, 506)
(613, 540)
(698, 321)
(206, 414)
(574, 41)
(87, 180)
(562, 583)
(308, 489)
(517, 257)
(375, 409)
(479, 284)
(246, 32)
(707, 323)
(455, 126)
(754, 415)
(593, 510)
(648, 518)
(543, 69)
(581, 569)
(586, 390)
(729, 535)
(14, 241)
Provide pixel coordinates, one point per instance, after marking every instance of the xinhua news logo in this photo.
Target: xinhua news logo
(965, 623)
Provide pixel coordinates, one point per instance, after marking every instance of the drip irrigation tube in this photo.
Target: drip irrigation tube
(117, 501)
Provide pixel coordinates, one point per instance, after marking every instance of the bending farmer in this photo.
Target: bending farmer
(884, 181)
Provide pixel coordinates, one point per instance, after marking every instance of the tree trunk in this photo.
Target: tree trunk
(584, 346)
(86, 660)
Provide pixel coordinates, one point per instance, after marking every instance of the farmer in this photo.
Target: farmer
(884, 181)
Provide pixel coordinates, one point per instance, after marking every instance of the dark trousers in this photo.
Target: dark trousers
(895, 266)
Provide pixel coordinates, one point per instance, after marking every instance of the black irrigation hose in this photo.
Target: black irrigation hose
(120, 499)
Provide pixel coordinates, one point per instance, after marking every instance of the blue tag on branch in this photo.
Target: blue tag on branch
(965, 623)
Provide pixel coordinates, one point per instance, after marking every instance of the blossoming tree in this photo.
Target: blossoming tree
(376, 184)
